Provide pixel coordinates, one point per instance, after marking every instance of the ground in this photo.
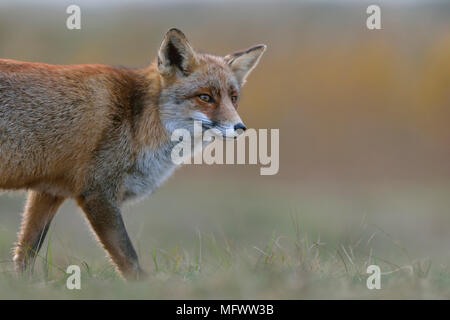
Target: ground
(242, 241)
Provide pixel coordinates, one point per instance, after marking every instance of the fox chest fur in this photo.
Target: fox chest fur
(150, 169)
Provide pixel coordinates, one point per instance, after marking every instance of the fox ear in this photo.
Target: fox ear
(243, 62)
(175, 53)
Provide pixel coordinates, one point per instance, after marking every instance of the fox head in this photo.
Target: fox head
(202, 87)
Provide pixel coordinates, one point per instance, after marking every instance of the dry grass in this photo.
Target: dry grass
(224, 244)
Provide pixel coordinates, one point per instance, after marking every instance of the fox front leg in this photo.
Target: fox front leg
(39, 212)
(106, 220)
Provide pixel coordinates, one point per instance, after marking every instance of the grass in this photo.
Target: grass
(280, 247)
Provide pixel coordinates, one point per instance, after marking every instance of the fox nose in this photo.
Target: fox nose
(241, 126)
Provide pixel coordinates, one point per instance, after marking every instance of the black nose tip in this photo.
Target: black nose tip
(240, 126)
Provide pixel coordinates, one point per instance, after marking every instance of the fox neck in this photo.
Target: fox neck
(159, 117)
(150, 132)
(152, 163)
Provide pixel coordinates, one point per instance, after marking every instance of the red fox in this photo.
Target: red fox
(101, 135)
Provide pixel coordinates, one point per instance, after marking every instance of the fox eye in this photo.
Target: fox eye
(206, 98)
(234, 99)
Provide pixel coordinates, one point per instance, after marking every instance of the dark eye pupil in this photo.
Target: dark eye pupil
(205, 97)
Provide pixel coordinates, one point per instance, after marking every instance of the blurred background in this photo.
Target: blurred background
(364, 119)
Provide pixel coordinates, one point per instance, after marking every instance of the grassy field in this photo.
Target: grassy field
(225, 240)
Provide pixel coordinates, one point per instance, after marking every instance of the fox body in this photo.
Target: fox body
(101, 135)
